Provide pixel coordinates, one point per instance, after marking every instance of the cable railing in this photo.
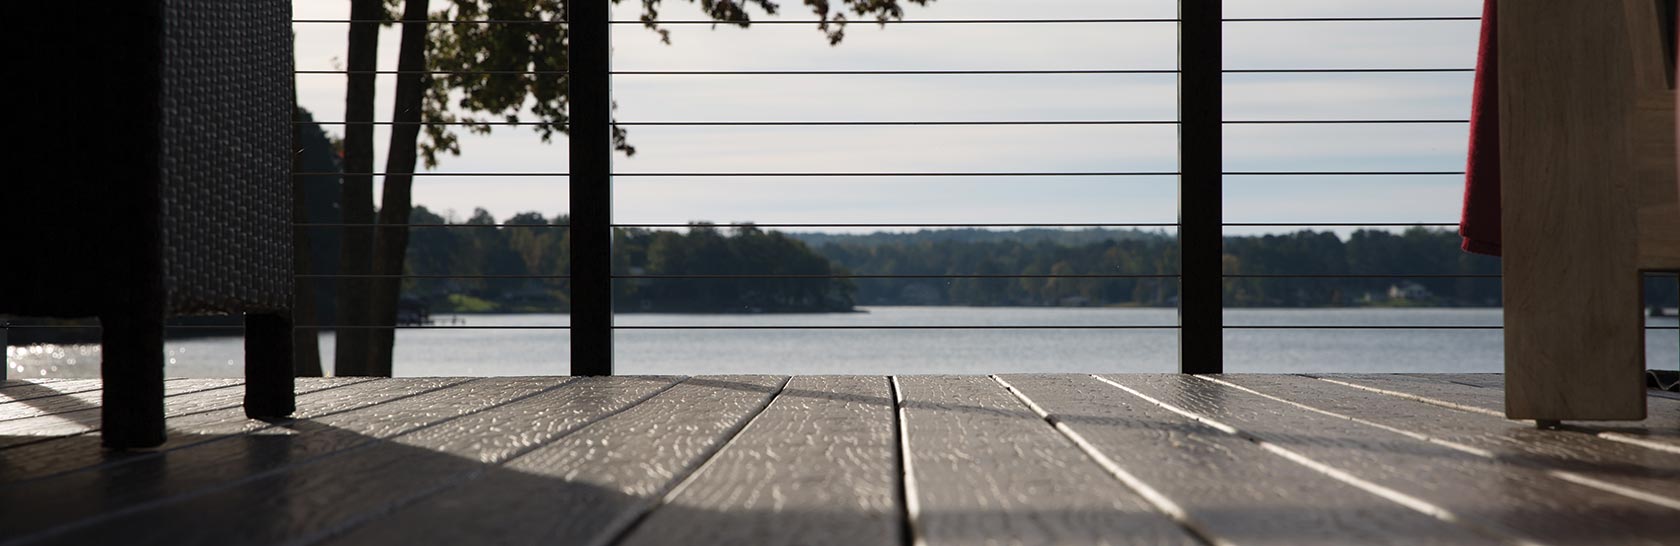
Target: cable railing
(1199, 232)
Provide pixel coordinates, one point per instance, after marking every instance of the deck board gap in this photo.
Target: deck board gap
(458, 481)
(1659, 435)
(1386, 493)
(1403, 432)
(444, 485)
(92, 400)
(1304, 459)
(107, 463)
(1578, 479)
(164, 501)
(1415, 398)
(60, 389)
(677, 485)
(909, 531)
(247, 478)
(1150, 494)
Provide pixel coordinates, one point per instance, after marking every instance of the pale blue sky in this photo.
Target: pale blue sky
(988, 97)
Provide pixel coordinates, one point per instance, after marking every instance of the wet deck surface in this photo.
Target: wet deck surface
(1032, 459)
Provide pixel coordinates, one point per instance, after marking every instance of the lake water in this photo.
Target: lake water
(476, 352)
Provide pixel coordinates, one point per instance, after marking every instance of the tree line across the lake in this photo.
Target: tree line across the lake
(520, 265)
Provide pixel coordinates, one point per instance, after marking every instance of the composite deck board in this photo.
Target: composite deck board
(984, 466)
(21, 382)
(590, 486)
(9, 383)
(196, 470)
(1655, 472)
(31, 391)
(1501, 497)
(71, 453)
(1661, 424)
(180, 398)
(315, 498)
(749, 460)
(1229, 487)
(1487, 380)
(818, 466)
(89, 399)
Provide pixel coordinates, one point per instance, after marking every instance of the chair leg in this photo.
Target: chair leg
(268, 366)
(132, 366)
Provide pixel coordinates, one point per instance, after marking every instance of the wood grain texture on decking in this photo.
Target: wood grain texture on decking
(590, 486)
(75, 452)
(214, 465)
(89, 399)
(1661, 424)
(9, 383)
(734, 459)
(1228, 486)
(30, 391)
(819, 466)
(1487, 380)
(1655, 472)
(984, 466)
(180, 398)
(306, 500)
(1505, 498)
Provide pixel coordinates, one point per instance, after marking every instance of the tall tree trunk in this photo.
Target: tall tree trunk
(391, 243)
(306, 342)
(356, 202)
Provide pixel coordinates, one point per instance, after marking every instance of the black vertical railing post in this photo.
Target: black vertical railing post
(590, 104)
(1200, 233)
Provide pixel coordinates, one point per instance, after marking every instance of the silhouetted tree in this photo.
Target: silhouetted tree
(356, 200)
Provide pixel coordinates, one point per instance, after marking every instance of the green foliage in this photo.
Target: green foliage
(462, 303)
(527, 245)
(488, 66)
(1140, 254)
(1134, 256)
(1108, 268)
(705, 250)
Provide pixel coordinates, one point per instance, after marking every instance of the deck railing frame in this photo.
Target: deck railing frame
(1200, 193)
(589, 76)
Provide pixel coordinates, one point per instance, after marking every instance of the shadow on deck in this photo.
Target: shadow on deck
(1073, 459)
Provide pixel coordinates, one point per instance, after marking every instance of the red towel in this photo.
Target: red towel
(1480, 223)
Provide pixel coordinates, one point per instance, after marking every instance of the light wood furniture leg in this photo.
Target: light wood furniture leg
(1587, 166)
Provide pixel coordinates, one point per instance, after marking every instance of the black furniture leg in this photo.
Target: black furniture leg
(132, 366)
(268, 366)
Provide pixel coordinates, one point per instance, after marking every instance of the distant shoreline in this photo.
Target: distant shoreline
(31, 332)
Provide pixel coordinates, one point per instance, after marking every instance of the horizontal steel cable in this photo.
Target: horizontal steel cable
(769, 276)
(905, 122)
(761, 174)
(756, 22)
(897, 225)
(923, 72)
(835, 327)
(919, 21)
